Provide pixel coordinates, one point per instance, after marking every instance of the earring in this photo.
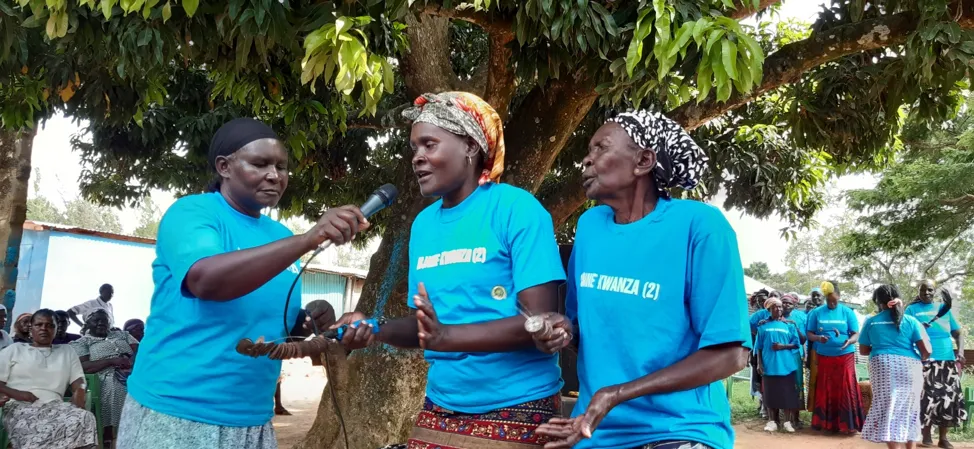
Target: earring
(469, 159)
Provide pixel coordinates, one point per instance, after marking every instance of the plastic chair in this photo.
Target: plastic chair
(968, 405)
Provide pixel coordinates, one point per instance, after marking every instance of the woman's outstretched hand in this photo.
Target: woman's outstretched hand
(431, 332)
(556, 334)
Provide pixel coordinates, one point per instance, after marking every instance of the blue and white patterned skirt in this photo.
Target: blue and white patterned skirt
(142, 428)
(897, 384)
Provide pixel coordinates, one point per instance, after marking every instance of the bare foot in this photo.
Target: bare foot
(280, 410)
(945, 444)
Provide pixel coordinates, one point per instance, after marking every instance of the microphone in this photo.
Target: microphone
(382, 198)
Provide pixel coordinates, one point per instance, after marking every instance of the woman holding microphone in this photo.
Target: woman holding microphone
(649, 268)
(475, 255)
(222, 273)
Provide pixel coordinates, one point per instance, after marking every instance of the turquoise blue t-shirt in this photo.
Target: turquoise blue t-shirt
(644, 296)
(777, 363)
(939, 331)
(474, 259)
(757, 317)
(823, 320)
(880, 333)
(188, 366)
(801, 325)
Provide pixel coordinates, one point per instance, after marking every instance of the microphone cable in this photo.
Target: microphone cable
(326, 360)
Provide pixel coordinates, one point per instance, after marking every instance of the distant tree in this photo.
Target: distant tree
(39, 208)
(758, 270)
(149, 216)
(84, 214)
(356, 256)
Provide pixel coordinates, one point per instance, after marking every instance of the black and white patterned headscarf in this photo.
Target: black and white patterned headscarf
(680, 162)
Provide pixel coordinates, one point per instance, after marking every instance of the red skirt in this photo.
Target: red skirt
(505, 428)
(838, 401)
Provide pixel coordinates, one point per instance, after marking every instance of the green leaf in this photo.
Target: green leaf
(714, 37)
(388, 76)
(704, 80)
(190, 6)
(166, 12)
(634, 55)
(144, 37)
(698, 29)
(730, 58)
(682, 37)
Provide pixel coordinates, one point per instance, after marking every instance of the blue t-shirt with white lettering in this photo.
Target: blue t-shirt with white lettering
(824, 321)
(474, 259)
(879, 332)
(801, 325)
(645, 296)
(939, 331)
(188, 366)
(777, 362)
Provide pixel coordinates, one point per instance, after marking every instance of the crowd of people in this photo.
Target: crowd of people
(484, 263)
(43, 368)
(915, 360)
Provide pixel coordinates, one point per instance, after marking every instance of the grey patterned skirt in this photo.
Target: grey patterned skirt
(51, 425)
(144, 428)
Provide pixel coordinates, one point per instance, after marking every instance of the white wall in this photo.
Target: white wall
(78, 264)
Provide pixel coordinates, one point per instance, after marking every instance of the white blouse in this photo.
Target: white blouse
(45, 372)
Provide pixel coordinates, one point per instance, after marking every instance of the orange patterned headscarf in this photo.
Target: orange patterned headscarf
(465, 114)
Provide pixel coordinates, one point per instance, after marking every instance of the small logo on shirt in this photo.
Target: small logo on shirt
(294, 268)
(499, 293)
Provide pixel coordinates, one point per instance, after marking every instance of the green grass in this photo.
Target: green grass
(744, 408)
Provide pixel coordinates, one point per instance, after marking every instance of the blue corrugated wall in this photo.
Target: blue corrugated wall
(330, 287)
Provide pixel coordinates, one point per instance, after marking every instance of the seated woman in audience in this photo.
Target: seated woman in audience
(5, 338)
(135, 327)
(653, 300)
(63, 337)
(22, 328)
(110, 354)
(777, 346)
(35, 376)
(833, 330)
(895, 345)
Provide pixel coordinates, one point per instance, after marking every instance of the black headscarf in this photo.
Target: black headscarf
(232, 136)
(680, 162)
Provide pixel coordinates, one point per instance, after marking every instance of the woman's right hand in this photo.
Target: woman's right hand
(557, 334)
(357, 336)
(22, 396)
(338, 225)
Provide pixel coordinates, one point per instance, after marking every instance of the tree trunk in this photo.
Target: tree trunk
(15, 151)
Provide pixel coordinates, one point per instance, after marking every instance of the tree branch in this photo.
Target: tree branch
(388, 119)
(791, 61)
(494, 79)
(543, 124)
(744, 8)
(939, 256)
(952, 276)
(960, 201)
(426, 67)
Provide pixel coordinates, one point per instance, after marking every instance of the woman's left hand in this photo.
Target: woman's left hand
(431, 332)
(570, 432)
(78, 400)
(320, 315)
(959, 355)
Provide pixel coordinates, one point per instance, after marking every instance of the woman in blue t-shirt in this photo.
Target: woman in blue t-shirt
(943, 401)
(835, 399)
(476, 255)
(777, 347)
(653, 300)
(895, 345)
(222, 273)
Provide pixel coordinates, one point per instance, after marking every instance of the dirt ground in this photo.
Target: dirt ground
(303, 384)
